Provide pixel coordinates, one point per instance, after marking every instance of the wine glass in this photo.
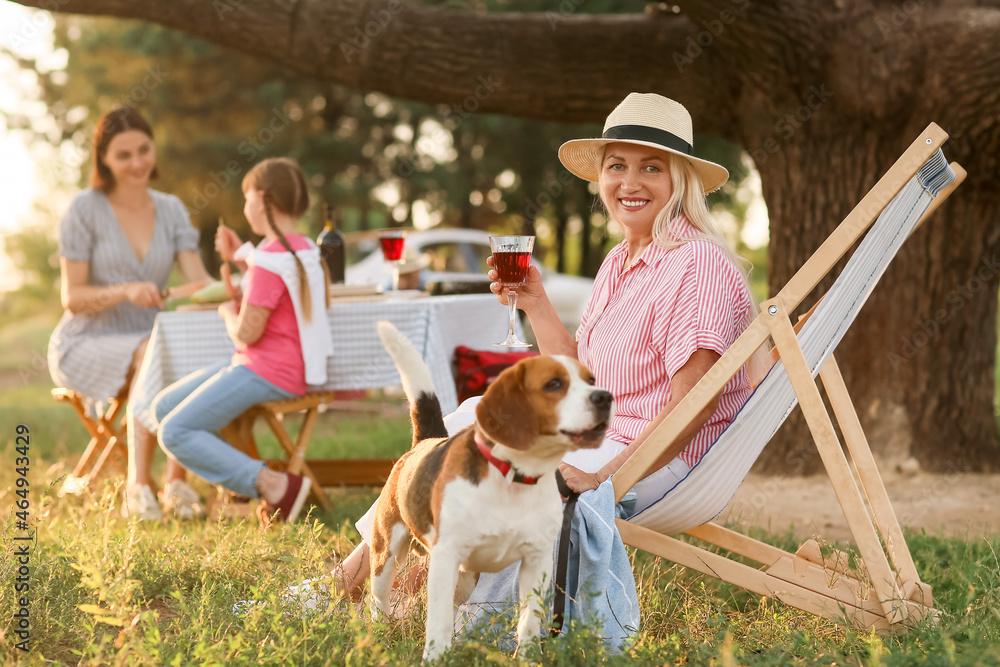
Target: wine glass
(511, 259)
(392, 242)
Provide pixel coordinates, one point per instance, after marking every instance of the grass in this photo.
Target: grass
(106, 591)
(23, 344)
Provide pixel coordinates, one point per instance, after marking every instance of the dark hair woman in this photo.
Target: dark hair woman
(118, 243)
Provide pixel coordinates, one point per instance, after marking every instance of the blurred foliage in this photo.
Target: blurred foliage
(380, 161)
(33, 251)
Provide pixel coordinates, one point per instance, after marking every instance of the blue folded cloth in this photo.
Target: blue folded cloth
(600, 585)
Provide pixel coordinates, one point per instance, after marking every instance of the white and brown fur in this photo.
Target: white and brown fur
(444, 498)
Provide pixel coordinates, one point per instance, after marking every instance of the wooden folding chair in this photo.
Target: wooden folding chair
(240, 435)
(322, 472)
(883, 591)
(107, 440)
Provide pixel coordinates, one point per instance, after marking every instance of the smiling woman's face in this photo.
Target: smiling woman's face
(131, 157)
(635, 185)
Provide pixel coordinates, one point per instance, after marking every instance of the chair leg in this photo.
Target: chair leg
(111, 451)
(113, 441)
(105, 439)
(96, 439)
(298, 462)
(835, 462)
(84, 463)
(871, 480)
(292, 450)
(750, 578)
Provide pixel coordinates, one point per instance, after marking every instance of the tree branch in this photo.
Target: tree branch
(549, 66)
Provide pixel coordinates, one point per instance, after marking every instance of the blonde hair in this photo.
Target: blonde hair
(283, 187)
(688, 199)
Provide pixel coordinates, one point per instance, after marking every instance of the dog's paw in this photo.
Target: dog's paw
(524, 652)
(433, 651)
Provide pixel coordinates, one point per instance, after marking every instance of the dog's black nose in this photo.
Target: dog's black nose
(601, 399)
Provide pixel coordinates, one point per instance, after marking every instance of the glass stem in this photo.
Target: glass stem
(395, 276)
(512, 304)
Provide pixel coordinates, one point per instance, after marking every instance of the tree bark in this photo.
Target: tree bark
(531, 65)
(919, 360)
(824, 96)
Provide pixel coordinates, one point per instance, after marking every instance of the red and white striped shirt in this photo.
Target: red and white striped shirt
(643, 323)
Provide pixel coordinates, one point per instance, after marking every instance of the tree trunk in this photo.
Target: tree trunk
(918, 361)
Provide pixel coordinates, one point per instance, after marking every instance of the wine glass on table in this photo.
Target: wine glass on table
(392, 242)
(511, 259)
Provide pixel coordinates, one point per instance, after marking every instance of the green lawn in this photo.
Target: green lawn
(105, 591)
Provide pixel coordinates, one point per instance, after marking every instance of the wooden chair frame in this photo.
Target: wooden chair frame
(107, 440)
(876, 595)
(240, 434)
(322, 472)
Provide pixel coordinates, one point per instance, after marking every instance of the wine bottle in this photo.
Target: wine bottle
(331, 246)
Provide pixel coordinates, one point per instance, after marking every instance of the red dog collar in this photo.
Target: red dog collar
(503, 466)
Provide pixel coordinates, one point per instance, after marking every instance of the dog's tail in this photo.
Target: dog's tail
(425, 409)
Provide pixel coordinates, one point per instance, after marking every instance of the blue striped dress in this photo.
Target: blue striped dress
(90, 353)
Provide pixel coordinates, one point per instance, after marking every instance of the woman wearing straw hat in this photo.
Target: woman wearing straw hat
(667, 301)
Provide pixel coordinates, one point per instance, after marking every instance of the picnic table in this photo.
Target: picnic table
(183, 342)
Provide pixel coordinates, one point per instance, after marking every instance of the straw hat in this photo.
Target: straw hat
(646, 119)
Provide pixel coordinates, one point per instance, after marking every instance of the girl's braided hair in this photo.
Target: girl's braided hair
(283, 187)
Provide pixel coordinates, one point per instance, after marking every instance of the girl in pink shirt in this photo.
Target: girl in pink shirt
(280, 303)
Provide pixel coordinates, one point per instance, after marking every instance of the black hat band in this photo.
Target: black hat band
(650, 135)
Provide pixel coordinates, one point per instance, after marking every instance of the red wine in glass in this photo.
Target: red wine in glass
(512, 267)
(392, 242)
(511, 259)
(392, 247)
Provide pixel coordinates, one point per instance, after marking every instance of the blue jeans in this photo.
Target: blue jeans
(191, 411)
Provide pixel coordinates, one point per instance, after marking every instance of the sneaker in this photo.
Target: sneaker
(301, 601)
(73, 485)
(288, 508)
(141, 503)
(181, 499)
(310, 596)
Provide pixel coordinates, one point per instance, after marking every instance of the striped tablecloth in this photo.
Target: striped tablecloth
(183, 342)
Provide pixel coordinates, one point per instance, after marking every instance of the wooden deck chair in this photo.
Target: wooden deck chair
(884, 592)
(107, 440)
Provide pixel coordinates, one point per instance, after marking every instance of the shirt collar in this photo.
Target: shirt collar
(654, 253)
(678, 228)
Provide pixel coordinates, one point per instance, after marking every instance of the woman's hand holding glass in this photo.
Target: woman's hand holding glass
(528, 295)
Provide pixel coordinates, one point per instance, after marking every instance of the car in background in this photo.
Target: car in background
(453, 261)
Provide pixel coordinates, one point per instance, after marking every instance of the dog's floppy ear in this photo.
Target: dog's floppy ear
(505, 414)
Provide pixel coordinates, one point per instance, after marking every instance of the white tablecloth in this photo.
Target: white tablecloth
(183, 342)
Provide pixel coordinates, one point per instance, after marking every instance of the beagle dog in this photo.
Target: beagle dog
(486, 497)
